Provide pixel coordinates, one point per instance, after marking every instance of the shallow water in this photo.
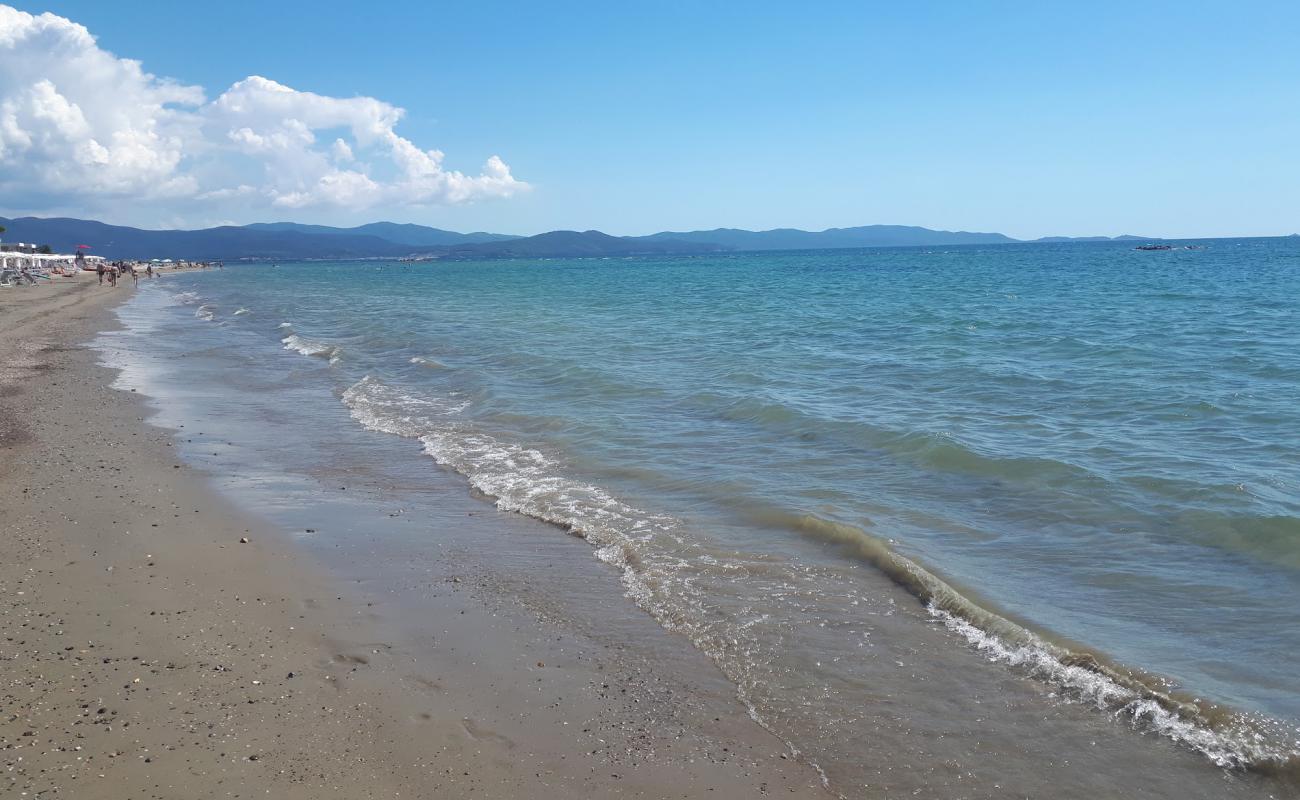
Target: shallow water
(880, 488)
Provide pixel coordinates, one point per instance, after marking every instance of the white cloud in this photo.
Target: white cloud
(78, 123)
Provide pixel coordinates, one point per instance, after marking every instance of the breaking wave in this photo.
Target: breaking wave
(1230, 739)
(527, 481)
(310, 347)
(521, 479)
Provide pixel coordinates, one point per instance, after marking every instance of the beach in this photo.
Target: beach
(160, 642)
(855, 401)
(518, 529)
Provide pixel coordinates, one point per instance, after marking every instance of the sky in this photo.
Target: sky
(1030, 119)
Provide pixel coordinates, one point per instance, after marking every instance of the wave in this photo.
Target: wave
(1230, 739)
(519, 478)
(1271, 538)
(380, 407)
(936, 451)
(312, 347)
(527, 481)
(944, 453)
(205, 312)
(427, 362)
(240, 312)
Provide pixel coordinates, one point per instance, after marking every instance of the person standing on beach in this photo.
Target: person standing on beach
(149, 271)
(99, 270)
(135, 276)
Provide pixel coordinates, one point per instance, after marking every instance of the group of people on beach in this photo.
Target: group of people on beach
(115, 269)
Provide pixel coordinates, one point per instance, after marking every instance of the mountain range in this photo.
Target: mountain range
(291, 240)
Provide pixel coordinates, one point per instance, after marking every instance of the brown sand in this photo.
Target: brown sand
(147, 653)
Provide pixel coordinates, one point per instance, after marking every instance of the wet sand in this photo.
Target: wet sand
(148, 652)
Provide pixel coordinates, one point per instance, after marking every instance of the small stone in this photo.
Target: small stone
(243, 540)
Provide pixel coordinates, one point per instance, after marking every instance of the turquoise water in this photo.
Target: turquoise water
(1062, 452)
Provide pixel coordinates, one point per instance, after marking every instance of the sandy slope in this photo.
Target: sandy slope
(145, 652)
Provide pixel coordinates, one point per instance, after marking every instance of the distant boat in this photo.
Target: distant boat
(1154, 247)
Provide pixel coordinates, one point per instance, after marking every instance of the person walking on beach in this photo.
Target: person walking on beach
(149, 271)
(99, 270)
(135, 277)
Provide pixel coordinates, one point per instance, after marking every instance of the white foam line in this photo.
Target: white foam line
(1234, 748)
(525, 481)
(312, 347)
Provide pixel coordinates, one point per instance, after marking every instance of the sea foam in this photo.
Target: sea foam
(521, 479)
(312, 347)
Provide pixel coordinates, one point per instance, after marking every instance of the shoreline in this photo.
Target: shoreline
(148, 650)
(466, 648)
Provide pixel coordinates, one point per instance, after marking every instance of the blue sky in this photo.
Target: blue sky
(1176, 119)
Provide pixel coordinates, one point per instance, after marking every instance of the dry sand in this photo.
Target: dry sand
(147, 653)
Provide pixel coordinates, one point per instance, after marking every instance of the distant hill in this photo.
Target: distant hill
(864, 236)
(290, 240)
(585, 243)
(227, 242)
(1122, 238)
(408, 233)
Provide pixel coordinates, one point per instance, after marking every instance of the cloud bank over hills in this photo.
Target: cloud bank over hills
(81, 126)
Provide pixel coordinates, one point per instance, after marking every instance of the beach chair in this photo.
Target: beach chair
(16, 276)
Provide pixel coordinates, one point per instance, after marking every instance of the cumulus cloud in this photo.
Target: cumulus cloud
(78, 122)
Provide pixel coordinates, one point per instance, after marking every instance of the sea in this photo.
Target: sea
(949, 514)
